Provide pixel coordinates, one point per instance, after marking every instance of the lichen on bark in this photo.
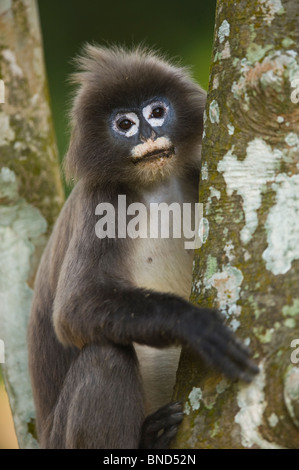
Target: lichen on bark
(249, 265)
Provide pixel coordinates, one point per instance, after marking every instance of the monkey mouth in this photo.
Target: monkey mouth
(154, 155)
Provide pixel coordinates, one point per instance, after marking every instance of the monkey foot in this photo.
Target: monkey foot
(160, 427)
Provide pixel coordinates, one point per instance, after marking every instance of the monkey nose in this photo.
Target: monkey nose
(147, 132)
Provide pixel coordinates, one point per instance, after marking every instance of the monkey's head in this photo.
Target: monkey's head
(136, 119)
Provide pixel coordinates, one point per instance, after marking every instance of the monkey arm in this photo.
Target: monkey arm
(160, 320)
(124, 315)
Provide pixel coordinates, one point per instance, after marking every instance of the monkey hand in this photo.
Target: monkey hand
(208, 337)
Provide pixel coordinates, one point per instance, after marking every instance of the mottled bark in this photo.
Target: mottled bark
(30, 193)
(248, 266)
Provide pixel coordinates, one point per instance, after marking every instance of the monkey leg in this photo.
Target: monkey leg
(101, 403)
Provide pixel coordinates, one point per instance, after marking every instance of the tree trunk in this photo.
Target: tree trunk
(31, 194)
(248, 266)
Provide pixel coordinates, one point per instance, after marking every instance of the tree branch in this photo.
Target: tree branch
(249, 265)
(31, 194)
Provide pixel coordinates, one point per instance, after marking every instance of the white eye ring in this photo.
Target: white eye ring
(147, 112)
(130, 117)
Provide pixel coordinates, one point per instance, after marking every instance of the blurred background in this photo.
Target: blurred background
(183, 30)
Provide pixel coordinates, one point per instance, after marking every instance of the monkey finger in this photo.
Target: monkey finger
(230, 366)
(234, 349)
(221, 342)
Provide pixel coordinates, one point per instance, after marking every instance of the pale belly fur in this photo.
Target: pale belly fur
(163, 266)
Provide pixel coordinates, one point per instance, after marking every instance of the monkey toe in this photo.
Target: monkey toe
(163, 441)
(160, 427)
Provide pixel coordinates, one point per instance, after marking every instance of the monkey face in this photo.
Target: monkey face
(136, 118)
(145, 131)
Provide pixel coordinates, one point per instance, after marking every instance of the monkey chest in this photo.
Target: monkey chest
(162, 265)
(159, 259)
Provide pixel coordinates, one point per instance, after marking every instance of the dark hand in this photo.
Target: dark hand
(207, 336)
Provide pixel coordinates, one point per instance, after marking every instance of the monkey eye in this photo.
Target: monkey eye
(155, 113)
(125, 124)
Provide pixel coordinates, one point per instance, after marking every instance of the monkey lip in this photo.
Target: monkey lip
(156, 154)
